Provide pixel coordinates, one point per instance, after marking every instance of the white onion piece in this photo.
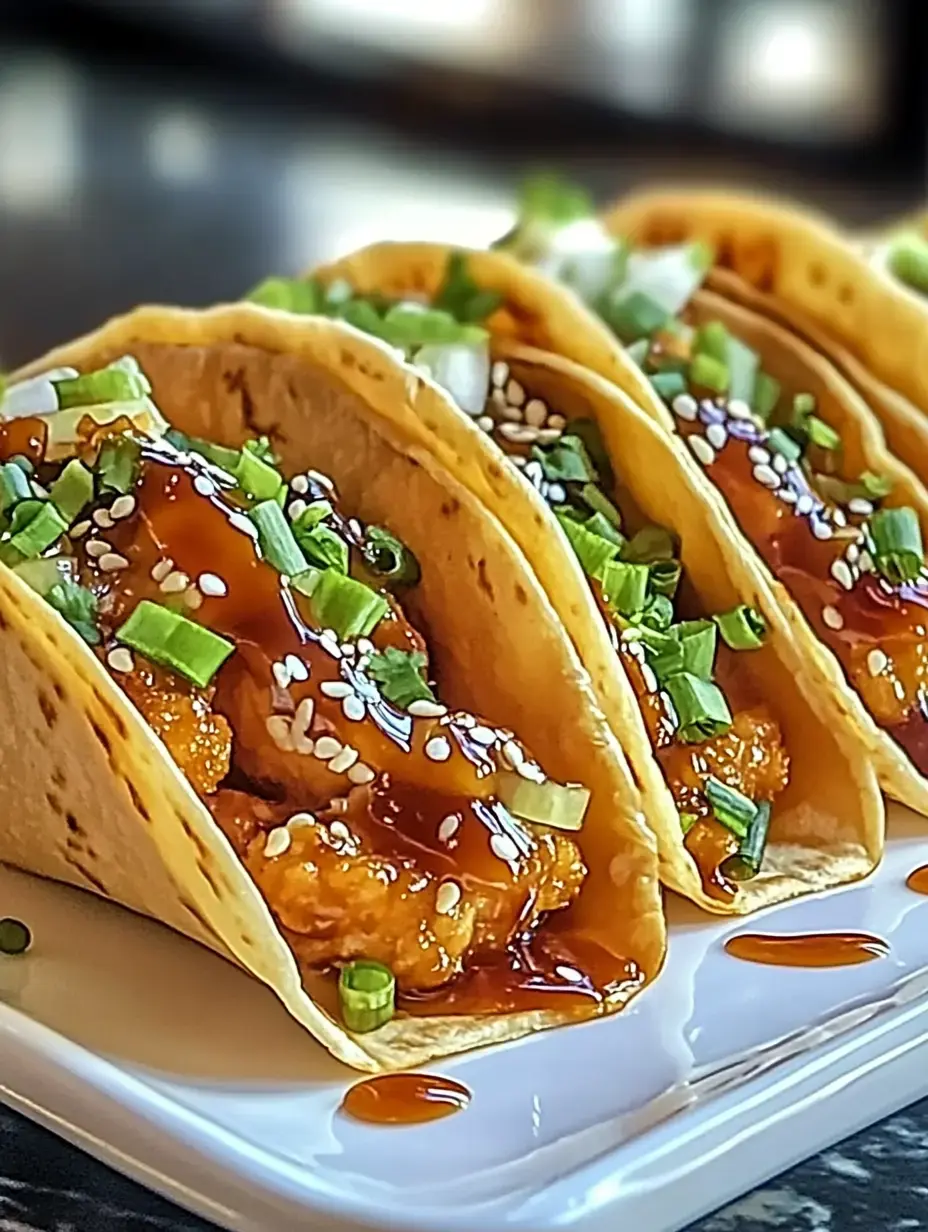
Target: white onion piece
(62, 427)
(463, 369)
(584, 255)
(36, 396)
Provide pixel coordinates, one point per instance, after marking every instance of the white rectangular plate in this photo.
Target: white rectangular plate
(172, 1066)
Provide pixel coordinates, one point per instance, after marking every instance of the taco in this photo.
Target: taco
(267, 673)
(689, 656)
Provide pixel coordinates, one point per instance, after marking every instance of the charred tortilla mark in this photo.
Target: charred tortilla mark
(101, 736)
(115, 718)
(58, 688)
(94, 881)
(74, 825)
(137, 802)
(200, 918)
(521, 594)
(53, 802)
(208, 877)
(482, 580)
(58, 777)
(4, 623)
(494, 470)
(201, 847)
(48, 708)
(816, 273)
(237, 383)
(36, 663)
(450, 507)
(845, 293)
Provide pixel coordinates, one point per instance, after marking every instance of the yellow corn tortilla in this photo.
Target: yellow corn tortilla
(90, 796)
(814, 841)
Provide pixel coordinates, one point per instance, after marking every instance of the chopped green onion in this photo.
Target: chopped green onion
(546, 197)
(624, 586)
(668, 276)
(665, 578)
(461, 297)
(896, 543)
(275, 538)
(697, 640)
(78, 606)
(631, 315)
(389, 558)
(782, 443)
(45, 572)
(658, 611)
(743, 628)
(305, 583)
(323, 546)
(822, 434)
(803, 406)
(638, 351)
(44, 528)
(412, 326)
(20, 460)
(298, 295)
(118, 464)
(14, 486)
(766, 395)
(166, 637)
(72, 490)
(399, 674)
(600, 503)
(664, 653)
(366, 994)
(15, 937)
(588, 433)
(687, 821)
(566, 462)
(347, 606)
(560, 806)
(315, 512)
(712, 339)
(730, 807)
(593, 551)
(875, 487)
(709, 373)
(220, 455)
(599, 524)
(651, 543)
(701, 708)
(907, 260)
(257, 478)
(750, 856)
(119, 382)
(743, 366)
(668, 385)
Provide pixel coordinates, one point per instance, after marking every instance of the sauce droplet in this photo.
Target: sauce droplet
(918, 880)
(808, 949)
(405, 1099)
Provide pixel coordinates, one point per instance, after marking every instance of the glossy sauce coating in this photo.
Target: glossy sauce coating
(808, 949)
(405, 1099)
(917, 880)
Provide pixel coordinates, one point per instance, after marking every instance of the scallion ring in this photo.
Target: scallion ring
(366, 994)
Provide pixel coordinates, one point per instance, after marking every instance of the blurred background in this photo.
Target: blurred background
(181, 150)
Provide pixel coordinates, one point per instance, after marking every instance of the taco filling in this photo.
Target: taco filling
(261, 632)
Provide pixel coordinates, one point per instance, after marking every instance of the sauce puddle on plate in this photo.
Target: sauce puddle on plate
(918, 880)
(405, 1099)
(808, 949)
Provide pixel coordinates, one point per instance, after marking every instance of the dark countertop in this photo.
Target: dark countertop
(115, 189)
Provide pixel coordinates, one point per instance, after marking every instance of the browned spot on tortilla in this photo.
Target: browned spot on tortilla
(84, 872)
(136, 799)
(845, 293)
(494, 470)
(450, 507)
(521, 593)
(208, 876)
(200, 918)
(53, 802)
(58, 777)
(59, 690)
(482, 580)
(32, 657)
(348, 359)
(4, 623)
(237, 383)
(47, 706)
(114, 716)
(816, 273)
(101, 736)
(74, 825)
(202, 850)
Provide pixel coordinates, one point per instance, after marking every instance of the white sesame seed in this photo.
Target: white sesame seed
(122, 507)
(483, 735)
(556, 421)
(336, 688)
(343, 761)
(323, 480)
(359, 774)
(161, 570)
(204, 485)
(852, 553)
(353, 708)
(486, 422)
(780, 464)
(244, 524)
(303, 718)
(365, 646)
(767, 476)
(738, 409)
(832, 618)
(569, 974)
(504, 848)
(102, 519)
(863, 508)
(296, 667)
(877, 662)
(805, 504)
(278, 728)
(425, 708)
(79, 529)
(448, 828)
(841, 572)
(513, 754)
(534, 471)
(787, 495)
(515, 394)
(899, 690)
(556, 493)
(175, 583)
(531, 771)
(112, 562)
(702, 449)
(498, 399)
(839, 517)
(499, 374)
(348, 650)
(518, 434)
(465, 720)
(192, 598)
(295, 508)
(302, 742)
(686, 407)
(281, 674)
(821, 530)
(298, 820)
(300, 484)
(759, 455)
(438, 748)
(330, 646)
(338, 830)
(120, 659)
(327, 747)
(97, 547)
(212, 585)
(277, 842)
(865, 564)
(547, 436)
(535, 412)
(717, 435)
(649, 678)
(886, 586)
(447, 898)
(518, 461)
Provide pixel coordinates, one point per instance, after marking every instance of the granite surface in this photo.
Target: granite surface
(876, 1181)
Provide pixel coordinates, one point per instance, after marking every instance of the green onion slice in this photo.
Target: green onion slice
(389, 558)
(15, 937)
(600, 503)
(220, 455)
(166, 637)
(822, 434)
(665, 578)
(746, 863)
(658, 611)
(733, 810)
(289, 295)
(743, 628)
(43, 529)
(664, 652)
(766, 395)
(709, 373)
(72, 490)
(14, 486)
(668, 385)
(323, 546)
(461, 297)
(78, 606)
(687, 821)
(399, 673)
(562, 806)
(896, 543)
(346, 605)
(45, 572)
(780, 441)
(118, 464)
(907, 260)
(697, 641)
(366, 995)
(593, 551)
(276, 540)
(624, 586)
(598, 524)
(700, 705)
(257, 478)
(122, 381)
(651, 543)
(566, 462)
